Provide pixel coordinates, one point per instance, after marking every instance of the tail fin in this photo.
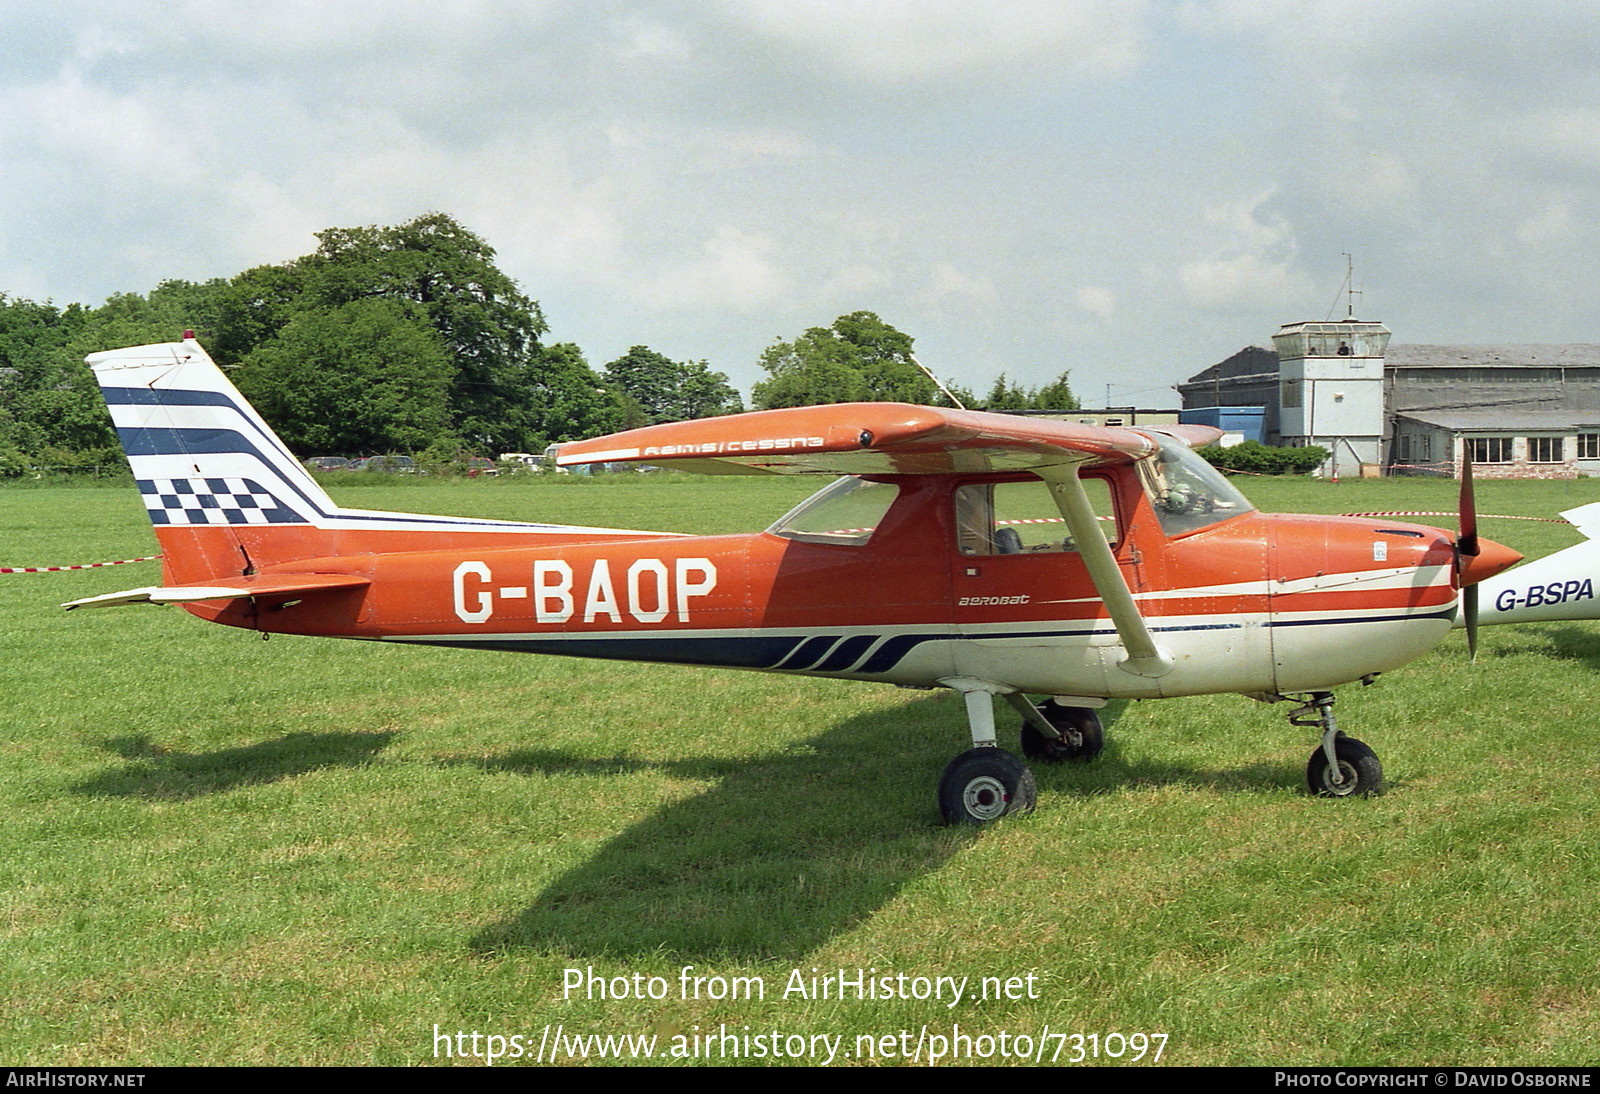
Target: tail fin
(199, 451)
(227, 497)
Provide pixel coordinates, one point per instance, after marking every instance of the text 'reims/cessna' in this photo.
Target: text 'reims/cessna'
(988, 554)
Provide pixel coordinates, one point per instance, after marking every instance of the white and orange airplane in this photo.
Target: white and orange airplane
(989, 554)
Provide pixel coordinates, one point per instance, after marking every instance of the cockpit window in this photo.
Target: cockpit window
(1022, 517)
(1186, 492)
(845, 512)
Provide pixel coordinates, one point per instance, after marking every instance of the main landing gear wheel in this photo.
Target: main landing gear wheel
(1082, 736)
(983, 785)
(1360, 774)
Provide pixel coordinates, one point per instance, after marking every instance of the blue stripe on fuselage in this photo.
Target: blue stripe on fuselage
(800, 653)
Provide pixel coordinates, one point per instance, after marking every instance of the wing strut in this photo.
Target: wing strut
(1145, 658)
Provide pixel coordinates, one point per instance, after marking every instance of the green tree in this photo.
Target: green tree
(489, 327)
(964, 397)
(53, 408)
(253, 307)
(383, 339)
(703, 393)
(446, 279)
(364, 378)
(569, 402)
(1056, 395)
(32, 339)
(1007, 396)
(858, 359)
(672, 391)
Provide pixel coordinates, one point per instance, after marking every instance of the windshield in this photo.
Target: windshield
(845, 512)
(1186, 492)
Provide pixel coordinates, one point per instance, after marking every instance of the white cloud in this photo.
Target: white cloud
(1553, 224)
(304, 29)
(735, 270)
(1253, 262)
(722, 171)
(1571, 134)
(895, 40)
(946, 285)
(126, 134)
(1101, 303)
(854, 282)
(266, 224)
(95, 44)
(678, 149)
(650, 41)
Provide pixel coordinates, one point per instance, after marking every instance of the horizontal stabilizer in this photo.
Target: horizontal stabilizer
(254, 585)
(1586, 519)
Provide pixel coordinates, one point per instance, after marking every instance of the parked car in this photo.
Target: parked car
(327, 463)
(519, 462)
(404, 465)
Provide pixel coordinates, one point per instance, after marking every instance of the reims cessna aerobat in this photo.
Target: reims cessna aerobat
(989, 554)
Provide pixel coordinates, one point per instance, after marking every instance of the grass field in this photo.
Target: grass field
(219, 850)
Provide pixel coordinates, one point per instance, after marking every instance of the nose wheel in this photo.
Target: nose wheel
(1341, 767)
(1356, 772)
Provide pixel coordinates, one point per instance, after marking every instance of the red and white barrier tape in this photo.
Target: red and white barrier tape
(85, 566)
(1019, 520)
(1487, 516)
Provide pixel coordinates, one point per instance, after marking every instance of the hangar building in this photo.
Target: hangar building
(1530, 411)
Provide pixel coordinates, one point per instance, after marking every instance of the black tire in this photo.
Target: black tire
(1082, 735)
(984, 784)
(1358, 764)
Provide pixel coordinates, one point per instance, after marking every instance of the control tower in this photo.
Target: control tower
(1330, 387)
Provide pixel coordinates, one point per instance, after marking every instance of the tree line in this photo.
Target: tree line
(410, 339)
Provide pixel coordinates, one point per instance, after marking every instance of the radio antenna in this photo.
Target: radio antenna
(948, 394)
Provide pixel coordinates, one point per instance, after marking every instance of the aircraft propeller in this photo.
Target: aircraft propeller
(1476, 559)
(1467, 549)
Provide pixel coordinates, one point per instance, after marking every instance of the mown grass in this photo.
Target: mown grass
(215, 849)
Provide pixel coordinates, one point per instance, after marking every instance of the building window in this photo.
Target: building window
(1589, 446)
(1490, 449)
(1290, 396)
(1545, 449)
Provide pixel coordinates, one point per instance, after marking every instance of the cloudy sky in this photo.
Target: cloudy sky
(1130, 190)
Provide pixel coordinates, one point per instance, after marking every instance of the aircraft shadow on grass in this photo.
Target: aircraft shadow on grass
(1566, 643)
(157, 773)
(787, 850)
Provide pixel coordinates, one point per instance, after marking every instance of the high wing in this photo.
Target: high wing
(899, 439)
(873, 439)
